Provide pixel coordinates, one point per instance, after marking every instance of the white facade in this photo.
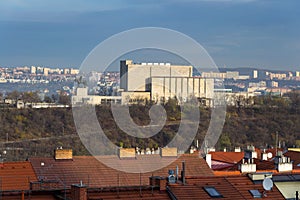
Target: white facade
(133, 77)
(183, 88)
(82, 97)
(163, 81)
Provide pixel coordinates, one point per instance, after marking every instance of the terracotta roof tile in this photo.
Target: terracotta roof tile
(16, 175)
(227, 157)
(295, 158)
(261, 165)
(95, 174)
(129, 194)
(236, 187)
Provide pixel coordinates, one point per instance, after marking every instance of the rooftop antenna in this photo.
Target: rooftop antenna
(177, 173)
(206, 147)
(276, 150)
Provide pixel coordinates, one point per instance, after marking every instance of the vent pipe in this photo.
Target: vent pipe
(183, 172)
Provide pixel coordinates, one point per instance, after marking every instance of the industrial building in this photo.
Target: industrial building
(162, 81)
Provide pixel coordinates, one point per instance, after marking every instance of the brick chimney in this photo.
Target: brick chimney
(158, 181)
(168, 152)
(78, 192)
(126, 153)
(63, 154)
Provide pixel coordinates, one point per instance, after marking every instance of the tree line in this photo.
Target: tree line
(255, 124)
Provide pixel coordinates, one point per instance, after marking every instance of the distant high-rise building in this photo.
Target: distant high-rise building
(219, 75)
(273, 84)
(255, 74)
(232, 74)
(74, 71)
(66, 71)
(33, 70)
(46, 71)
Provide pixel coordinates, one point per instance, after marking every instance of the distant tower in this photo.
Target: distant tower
(33, 70)
(255, 74)
(46, 71)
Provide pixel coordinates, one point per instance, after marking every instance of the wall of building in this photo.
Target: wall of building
(134, 76)
(184, 88)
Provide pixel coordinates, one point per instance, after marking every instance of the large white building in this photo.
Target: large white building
(162, 81)
(157, 82)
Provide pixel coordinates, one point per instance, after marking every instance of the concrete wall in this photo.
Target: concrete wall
(134, 76)
(182, 87)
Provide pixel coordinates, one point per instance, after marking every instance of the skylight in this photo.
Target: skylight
(255, 193)
(212, 192)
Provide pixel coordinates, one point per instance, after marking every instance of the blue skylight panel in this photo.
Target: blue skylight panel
(213, 192)
(255, 193)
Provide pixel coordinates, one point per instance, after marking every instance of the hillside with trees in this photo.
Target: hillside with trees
(37, 132)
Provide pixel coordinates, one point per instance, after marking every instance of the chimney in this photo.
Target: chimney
(264, 155)
(237, 149)
(158, 181)
(283, 164)
(78, 191)
(168, 152)
(250, 152)
(208, 159)
(126, 153)
(63, 154)
(247, 166)
(183, 173)
(192, 150)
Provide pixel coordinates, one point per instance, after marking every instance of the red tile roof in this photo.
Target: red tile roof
(295, 158)
(235, 187)
(96, 174)
(227, 157)
(129, 194)
(16, 175)
(260, 165)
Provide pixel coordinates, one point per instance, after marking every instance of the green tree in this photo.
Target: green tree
(30, 97)
(224, 141)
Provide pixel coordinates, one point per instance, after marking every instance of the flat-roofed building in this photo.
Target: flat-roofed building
(134, 75)
(163, 81)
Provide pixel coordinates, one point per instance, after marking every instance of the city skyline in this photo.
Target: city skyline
(236, 33)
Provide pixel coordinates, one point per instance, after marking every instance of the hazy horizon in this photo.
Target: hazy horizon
(236, 33)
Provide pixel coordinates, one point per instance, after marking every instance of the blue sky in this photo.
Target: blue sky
(236, 33)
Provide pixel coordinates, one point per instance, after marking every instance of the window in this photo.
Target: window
(213, 192)
(255, 193)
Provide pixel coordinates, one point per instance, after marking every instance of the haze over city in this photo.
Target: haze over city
(149, 99)
(236, 33)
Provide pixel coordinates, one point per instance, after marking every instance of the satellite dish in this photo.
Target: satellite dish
(268, 184)
(270, 155)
